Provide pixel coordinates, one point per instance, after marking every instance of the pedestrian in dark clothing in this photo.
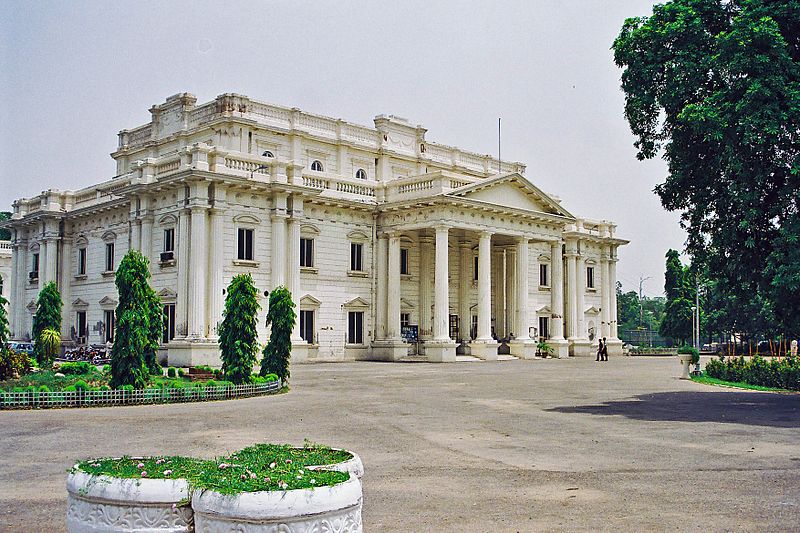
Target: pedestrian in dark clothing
(604, 351)
(599, 350)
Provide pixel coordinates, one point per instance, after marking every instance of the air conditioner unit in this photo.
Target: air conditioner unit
(167, 256)
(34, 274)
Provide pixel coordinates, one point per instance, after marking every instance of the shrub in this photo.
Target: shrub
(211, 383)
(78, 368)
(685, 349)
(171, 372)
(181, 373)
(238, 339)
(784, 374)
(280, 319)
(44, 388)
(48, 316)
(11, 362)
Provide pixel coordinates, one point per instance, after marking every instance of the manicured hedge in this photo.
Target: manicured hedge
(777, 373)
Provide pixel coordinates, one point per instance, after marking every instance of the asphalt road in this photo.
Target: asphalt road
(565, 445)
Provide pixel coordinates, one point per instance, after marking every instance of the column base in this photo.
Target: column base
(614, 347)
(440, 351)
(560, 348)
(486, 350)
(194, 352)
(523, 348)
(581, 348)
(299, 351)
(387, 350)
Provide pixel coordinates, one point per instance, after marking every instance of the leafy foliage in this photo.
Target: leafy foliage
(677, 321)
(5, 234)
(238, 339)
(136, 335)
(48, 316)
(777, 373)
(714, 86)
(281, 317)
(51, 343)
(4, 333)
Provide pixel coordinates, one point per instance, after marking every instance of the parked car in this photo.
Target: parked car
(25, 347)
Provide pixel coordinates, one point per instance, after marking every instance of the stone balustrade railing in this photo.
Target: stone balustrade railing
(5, 246)
(424, 185)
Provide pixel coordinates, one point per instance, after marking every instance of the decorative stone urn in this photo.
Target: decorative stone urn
(109, 504)
(336, 508)
(352, 465)
(686, 360)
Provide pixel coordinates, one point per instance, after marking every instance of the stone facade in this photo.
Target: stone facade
(381, 236)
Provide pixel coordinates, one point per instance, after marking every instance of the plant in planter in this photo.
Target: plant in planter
(688, 355)
(543, 349)
(259, 487)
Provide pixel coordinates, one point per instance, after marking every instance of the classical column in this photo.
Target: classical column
(215, 280)
(182, 299)
(278, 273)
(498, 293)
(147, 237)
(381, 288)
(557, 292)
(65, 286)
(293, 262)
(510, 292)
(572, 290)
(198, 267)
(441, 280)
(425, 286)
(393, 289)
(605, 297)
(21, 275)
(485, 287)
(580, 300)
(51, 269)
(12, 289)
(523, 275)
(612, 304)
(42, 263)
(465, 283)
(136, 235)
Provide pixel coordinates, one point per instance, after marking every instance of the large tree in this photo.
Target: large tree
(238, 338)
(5, 234)
(136, 334)
(47, 317)
(280, 319)
(677, 321)
(714, 86)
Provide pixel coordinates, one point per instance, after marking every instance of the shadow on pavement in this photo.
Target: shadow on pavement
(753, 408)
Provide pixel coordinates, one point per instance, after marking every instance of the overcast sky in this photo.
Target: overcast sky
(72, 74)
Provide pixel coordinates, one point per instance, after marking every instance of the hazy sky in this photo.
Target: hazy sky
(72, 74)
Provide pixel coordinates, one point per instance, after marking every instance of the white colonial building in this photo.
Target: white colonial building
(390, 244)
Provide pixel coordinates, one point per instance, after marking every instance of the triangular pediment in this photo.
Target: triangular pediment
(357, 302)
(544, 310)
(79, 303)
(108, 301)
(167, 294)
(32, 306)
(406, 305)
(309, 301)
(511, 190)
(591, 310)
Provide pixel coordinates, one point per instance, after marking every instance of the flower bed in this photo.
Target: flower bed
(254, 489)
(100, 398)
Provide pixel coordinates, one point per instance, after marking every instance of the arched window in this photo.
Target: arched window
(316, 166)
(361, 174)
(267, 153)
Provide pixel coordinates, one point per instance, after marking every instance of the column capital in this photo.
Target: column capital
(442, 227)
(486, 234)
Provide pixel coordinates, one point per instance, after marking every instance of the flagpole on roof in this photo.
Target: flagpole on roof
(498, 146)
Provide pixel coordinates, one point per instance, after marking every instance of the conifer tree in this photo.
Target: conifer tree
(4, 333)
(135, 333)
(238, 340)
(278, 351)
(48, 316)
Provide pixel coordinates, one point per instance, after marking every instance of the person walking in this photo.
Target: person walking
(599, 350)
(604, 350)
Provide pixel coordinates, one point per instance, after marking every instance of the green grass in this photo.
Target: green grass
(735, 384)
(263, 467)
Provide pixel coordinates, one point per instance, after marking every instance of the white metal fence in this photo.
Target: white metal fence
(97, 398)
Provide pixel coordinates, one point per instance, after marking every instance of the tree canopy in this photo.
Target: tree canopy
(677, 321)
(238, 339)
(5, 234)
(280, 317)
(714, 87)
(48, 316)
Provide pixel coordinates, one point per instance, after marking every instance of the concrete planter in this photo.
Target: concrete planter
(336, 508)
(353, 465)
(109, 504)
(686, 359)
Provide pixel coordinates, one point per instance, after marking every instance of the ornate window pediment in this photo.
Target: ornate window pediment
(247, 219)
(109, 236)
(357, 236)
(405, 305)
(167, 295)
(309, 229)
(168, 220)
(356, 303)
(592, 310)
(107, 302)
(79, 304)
(543, 310)
(309, 302)
(81, 241)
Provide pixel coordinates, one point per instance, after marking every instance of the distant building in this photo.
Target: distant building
(382, 237)
(5, 271)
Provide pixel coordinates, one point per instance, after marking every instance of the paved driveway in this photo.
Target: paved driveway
(506, 446)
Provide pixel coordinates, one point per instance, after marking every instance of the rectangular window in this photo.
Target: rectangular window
(475, 269)
(35, 265)
(307, 326)
(307, 252)
(108, 323)
(404, 268)
(169, 240)
(590, 277)
(109, 257)
(544, 327)
(81, 261)
(355, 327)
(405, 319)
(169, 323)
(245, 245)
(473, 331)
(356, 256)
(80, 326)
(543, 281)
